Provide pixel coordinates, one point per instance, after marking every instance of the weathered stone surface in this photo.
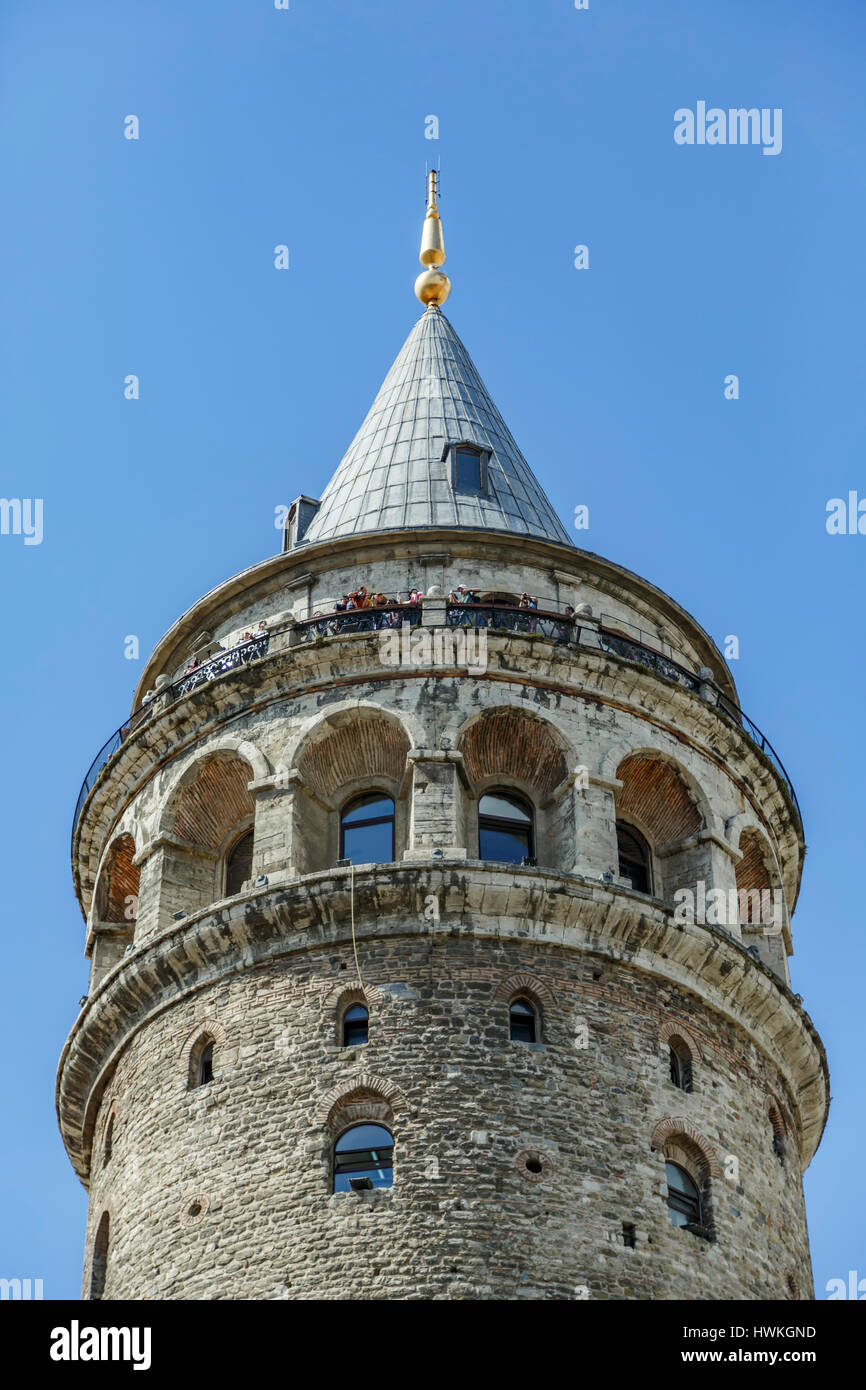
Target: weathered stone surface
(224, 1190)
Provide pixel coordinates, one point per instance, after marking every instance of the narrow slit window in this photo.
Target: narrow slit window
(239, 864)
(634, 857)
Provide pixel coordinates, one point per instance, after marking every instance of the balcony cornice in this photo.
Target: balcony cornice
(493, 902)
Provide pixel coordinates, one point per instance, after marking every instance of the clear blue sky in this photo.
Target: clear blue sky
(306, 127)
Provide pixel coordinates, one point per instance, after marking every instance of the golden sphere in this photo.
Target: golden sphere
(432, 287)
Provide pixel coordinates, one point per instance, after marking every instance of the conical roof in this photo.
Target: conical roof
(398, 471)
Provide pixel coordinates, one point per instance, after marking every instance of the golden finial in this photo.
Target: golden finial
(432, 285)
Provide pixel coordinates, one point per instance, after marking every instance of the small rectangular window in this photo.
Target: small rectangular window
(468, 470)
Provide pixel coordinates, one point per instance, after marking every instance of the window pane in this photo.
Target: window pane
(504, 846)
(679, 1181)
(369, 808)
(522, 1021)
(366, 1151)
(364, 1137)
(369, 844)
(504, 808)
(355, 1022)
(468, 470)
(379, 1177)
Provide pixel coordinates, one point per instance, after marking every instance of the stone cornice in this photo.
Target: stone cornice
(522, 904)
(289, 567)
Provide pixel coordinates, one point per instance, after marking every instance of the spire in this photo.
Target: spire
(433, 451)
(399, 471)
(432, 285)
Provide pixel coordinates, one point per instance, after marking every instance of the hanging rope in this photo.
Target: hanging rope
(354, 942)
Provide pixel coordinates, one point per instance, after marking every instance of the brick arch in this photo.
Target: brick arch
(514, 743)
(204, 1026)
(337, 997)
(670, 1029)
(657, 796)
(210, 799)
(523, 983)
(677, 1134)
(117, 881)
(364, 742)
(777, 1119)
(365, 1096)
(756, 871)
(244, 748)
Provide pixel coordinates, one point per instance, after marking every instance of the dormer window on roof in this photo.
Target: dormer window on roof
(468, 467)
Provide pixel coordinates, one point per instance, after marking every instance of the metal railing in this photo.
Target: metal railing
(509, 617)
(504, 617)
(646, 656)
(358, 620)
(631, 650)
(190, 680)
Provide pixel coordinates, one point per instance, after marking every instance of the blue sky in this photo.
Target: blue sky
(306, 127)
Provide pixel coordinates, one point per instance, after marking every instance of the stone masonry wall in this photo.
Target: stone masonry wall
(224, 1191)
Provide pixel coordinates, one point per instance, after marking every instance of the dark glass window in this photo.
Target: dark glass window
(367, 830)
(205, 1065)
(239, 864)
(99, 1264)
(634, 857)
(505, 831)
(109, 1142)
(684, 1199)
(355, 1025)
(523, 1022)
(365, 1151)
(468, 470)
(681, 1065)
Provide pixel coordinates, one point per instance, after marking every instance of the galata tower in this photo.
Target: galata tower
(438, 898)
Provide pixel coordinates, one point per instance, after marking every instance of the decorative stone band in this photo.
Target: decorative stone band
(533, 905)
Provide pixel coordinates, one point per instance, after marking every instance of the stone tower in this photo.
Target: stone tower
(439, 947)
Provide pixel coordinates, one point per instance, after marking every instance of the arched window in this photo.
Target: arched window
(364, 1158)
(684, 1199)
(523, 1021)
(680, 1064)
(356, 1022)
(99, 1264)
(367, 829)
(239, 863)
(634, 857)
(505, 828)
(201, 1062)
(109, 1142)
